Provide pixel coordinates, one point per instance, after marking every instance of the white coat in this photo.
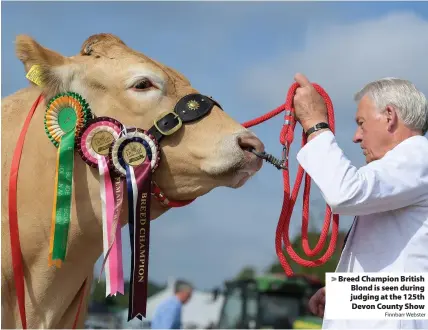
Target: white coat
(389, 198)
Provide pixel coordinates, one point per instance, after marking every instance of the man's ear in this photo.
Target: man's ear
(54, 71)
(391, 117)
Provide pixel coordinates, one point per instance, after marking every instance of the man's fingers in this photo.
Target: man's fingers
(302, 80)
(313, 306)
(320, 310)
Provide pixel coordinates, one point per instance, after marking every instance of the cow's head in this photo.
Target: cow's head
(122, 83)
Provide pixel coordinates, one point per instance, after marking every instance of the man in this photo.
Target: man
(168, 313)
(388, 196)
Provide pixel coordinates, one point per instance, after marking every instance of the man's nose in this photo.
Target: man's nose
(357, 137)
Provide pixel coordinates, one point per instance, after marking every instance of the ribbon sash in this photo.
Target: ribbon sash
(116, 243)
(139, 192)
(62, 199)
(111, 201)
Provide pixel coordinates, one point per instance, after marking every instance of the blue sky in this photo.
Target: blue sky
(245, 55)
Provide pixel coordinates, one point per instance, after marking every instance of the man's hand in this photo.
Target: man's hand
(317, 303)
(309, 105)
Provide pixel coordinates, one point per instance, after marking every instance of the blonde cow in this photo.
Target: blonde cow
(122, 83)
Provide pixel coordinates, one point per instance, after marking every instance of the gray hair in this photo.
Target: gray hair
(183, 286)
(410, 104)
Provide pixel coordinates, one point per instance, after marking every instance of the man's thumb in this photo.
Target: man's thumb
(301, 80)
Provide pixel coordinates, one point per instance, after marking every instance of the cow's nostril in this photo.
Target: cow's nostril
(250, 142)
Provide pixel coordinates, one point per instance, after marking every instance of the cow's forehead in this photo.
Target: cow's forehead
(111, 46)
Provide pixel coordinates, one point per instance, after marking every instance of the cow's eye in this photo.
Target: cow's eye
(143, 84)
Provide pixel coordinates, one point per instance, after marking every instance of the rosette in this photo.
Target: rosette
(97, 138)
(133, 148)
(93, 144)
(66, 114)
(135, 155)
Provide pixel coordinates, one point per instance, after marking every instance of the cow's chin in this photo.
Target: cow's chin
(242, 175)
(240, 179)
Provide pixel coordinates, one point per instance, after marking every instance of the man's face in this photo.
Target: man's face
(373, 133)
(186, 296)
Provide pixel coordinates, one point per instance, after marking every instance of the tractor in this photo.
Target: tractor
(271, 301)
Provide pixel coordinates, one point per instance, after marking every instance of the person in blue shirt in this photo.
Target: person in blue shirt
(168, 313)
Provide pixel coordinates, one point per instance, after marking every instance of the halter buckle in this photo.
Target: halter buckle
(172, 130)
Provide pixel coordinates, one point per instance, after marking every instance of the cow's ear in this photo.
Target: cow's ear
(44, 67)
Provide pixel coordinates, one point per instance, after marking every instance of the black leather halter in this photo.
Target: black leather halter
(189, 108)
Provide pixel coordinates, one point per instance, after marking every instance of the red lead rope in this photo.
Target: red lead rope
(282, 230)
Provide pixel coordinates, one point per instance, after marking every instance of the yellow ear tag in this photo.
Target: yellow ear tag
(35, 75)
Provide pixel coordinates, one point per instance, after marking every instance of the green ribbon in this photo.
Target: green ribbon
(63, 193)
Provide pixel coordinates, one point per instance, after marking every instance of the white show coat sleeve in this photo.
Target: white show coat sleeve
(397, 180)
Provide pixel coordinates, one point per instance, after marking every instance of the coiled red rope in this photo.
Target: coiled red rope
(282, 230)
